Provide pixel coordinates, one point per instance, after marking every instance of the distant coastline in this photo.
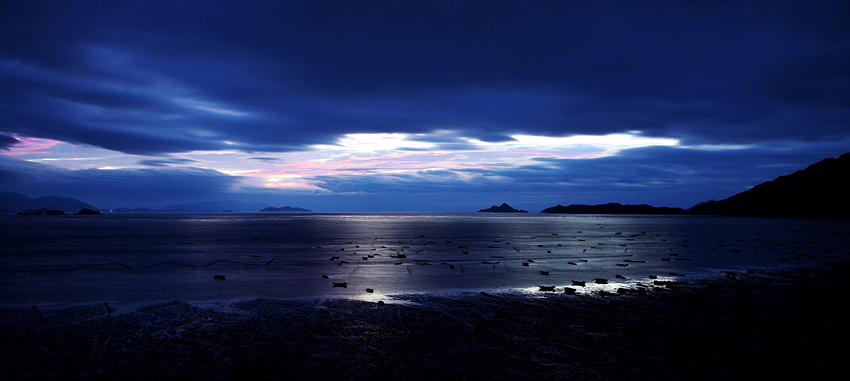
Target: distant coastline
(817, 191)
(612, 208)
(284, 209)
(12, 203)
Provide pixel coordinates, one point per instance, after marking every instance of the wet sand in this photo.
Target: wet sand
(766, 325)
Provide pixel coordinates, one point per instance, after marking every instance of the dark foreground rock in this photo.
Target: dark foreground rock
(762, 326)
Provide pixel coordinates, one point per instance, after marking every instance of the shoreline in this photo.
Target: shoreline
(590, 289)
(770, 324)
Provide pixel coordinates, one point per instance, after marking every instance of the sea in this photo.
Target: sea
(134, 259)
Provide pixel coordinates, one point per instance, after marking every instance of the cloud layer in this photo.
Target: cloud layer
(744, 89)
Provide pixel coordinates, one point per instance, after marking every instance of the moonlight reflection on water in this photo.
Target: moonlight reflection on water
(129, 258)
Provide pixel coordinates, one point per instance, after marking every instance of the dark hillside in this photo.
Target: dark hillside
(820, 191)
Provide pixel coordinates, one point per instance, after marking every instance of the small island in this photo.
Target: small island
(504, 208)
(87, 212)
(284, 209)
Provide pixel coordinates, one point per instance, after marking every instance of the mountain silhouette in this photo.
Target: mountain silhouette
(819, 191)
(17, 202)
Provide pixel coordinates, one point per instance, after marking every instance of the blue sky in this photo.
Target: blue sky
(417, 106)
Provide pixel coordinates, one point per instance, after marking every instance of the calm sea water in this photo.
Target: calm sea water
(141, 258)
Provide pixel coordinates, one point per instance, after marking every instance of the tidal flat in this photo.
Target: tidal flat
(440, 296)
(767, 324)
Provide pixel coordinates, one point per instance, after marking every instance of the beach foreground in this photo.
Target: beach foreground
(766, 325)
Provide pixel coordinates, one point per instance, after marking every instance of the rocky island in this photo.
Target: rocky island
(504, 208)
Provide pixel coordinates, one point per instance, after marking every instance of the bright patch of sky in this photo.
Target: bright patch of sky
(352, 154)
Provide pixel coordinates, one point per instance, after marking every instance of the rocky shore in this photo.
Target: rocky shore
(765, 325)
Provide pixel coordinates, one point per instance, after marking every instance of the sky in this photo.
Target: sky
(409, 106)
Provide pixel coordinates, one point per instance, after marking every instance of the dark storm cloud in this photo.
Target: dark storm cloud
(7, 141)
(160, 77)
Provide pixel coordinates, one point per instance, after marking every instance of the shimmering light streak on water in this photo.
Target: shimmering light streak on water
(135, 258)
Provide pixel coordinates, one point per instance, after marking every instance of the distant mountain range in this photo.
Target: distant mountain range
(216, 206)
(819, 191)
(16, 202)
(284, 209)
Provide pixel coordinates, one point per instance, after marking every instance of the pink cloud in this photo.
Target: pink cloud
(28, 146)
(419, 162)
